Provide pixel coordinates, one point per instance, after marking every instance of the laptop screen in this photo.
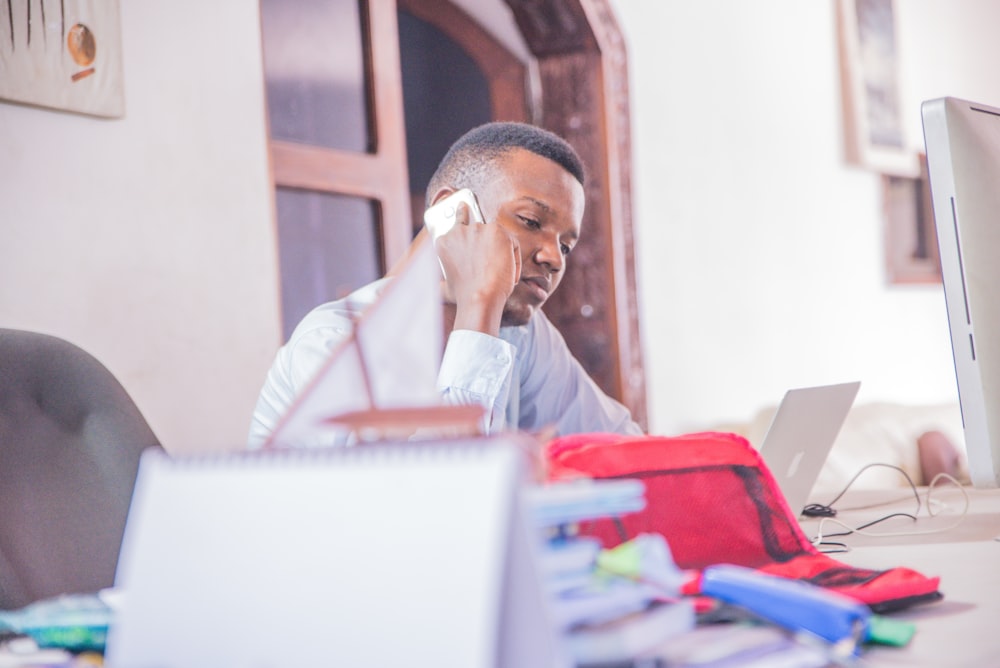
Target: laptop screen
(801, 435)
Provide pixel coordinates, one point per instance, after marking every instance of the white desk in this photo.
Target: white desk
(964, 628)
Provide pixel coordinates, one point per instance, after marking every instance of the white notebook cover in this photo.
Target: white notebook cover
(382, 555)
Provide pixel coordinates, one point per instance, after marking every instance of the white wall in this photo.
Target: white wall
(148, 240)
(761, 252)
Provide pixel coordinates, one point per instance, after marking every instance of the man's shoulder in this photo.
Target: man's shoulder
(338, 316)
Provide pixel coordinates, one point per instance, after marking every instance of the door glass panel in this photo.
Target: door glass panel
(314, 67)
(327, 245)
(435, 68)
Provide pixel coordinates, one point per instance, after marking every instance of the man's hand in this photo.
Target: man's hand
(482, 264)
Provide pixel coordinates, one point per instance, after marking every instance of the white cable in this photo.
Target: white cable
(885, 534)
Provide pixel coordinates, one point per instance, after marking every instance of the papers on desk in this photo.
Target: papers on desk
(629, 637)
(561, 504)
(608, 605)
(65, 631)
(622, 606)
(74, 622)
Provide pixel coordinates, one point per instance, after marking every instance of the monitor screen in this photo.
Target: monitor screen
(962, 139)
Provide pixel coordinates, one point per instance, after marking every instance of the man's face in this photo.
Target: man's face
(541, 205)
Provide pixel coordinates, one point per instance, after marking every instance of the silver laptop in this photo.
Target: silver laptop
(801, 436)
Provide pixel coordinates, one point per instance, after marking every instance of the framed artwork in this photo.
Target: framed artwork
(875, 135)
(62, 54)
(910, 235)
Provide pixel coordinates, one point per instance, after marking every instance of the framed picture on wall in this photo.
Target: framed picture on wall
(910, 235)
(874, 132)
(62, 54)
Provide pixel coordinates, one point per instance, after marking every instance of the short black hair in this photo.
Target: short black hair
(478, 149)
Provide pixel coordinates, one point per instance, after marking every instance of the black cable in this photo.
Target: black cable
(818, 510)
(857, 475)
(869, 524)
(827, 510)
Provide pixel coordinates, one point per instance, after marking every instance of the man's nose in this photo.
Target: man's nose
(550, 255)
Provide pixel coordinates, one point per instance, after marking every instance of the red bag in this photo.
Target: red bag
(714, 500)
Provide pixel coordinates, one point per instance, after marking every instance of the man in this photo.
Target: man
(502, 352)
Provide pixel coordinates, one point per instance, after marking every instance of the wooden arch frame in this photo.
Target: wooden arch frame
(583, 70)
(505, 74)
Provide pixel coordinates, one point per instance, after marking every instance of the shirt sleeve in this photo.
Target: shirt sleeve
(477, 369)
(294, 367)
(557, 391)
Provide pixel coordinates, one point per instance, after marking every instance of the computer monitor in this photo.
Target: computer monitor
(962, 139)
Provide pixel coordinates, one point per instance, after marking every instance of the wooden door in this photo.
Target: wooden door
(338, 150)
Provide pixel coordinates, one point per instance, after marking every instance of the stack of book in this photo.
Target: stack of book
(610, 605)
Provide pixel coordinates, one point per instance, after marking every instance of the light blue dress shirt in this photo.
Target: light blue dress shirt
(525, 379)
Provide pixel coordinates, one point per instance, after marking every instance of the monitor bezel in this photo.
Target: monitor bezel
(959, 163)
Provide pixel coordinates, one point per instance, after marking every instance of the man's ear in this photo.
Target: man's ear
(422, 235)
(442, 192)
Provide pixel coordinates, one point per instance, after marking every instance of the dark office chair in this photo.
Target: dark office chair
(70, 439)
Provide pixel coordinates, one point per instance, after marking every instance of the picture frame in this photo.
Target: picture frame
(62, 54)
(911, 246)
(874, 132)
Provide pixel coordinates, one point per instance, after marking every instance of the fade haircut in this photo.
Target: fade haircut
(476, 153)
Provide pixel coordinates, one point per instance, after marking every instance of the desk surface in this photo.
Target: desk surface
(962, 629)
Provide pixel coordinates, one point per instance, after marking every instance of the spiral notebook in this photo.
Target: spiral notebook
(383, 555)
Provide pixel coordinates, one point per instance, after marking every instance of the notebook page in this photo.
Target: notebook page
(378, 555)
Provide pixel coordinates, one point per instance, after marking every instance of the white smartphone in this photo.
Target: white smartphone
(441, 217)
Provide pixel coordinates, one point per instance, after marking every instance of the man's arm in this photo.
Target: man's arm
(478, 369)
(295, 365)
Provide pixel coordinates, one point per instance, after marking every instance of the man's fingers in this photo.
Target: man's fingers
(516, 247)
(462, 216)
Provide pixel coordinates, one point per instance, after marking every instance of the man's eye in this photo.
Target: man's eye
(531, 223)
(566, 250)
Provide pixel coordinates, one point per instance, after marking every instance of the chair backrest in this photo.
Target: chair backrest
(70, 440)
